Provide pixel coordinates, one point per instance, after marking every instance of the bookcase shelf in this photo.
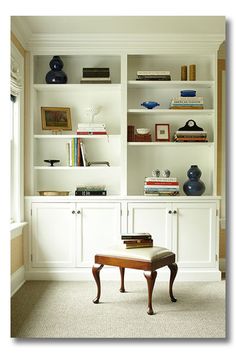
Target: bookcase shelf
(120, 103)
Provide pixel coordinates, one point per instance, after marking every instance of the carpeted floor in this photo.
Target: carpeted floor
(43, 309)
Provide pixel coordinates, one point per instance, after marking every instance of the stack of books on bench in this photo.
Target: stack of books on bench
(161, 186)
(153, 75)
(96, 76)
(137, 240)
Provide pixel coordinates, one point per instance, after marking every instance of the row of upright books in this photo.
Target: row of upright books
(187, 103)
(154, 75)
(161, 186)
(96, 76)
(190, 136)
(75, 155)
(137, 240)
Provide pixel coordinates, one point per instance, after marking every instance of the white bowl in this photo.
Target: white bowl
(143, 131)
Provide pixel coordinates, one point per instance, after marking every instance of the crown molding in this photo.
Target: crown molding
(67, 42)
(20, 30)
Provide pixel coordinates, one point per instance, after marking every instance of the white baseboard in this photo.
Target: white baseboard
(17, 280)
(112, 273)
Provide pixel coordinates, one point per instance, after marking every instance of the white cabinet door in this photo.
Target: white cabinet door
(194, 234)
(53, 234)
(153, 218)
(98, 227)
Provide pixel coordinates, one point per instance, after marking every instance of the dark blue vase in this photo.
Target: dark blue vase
(194, 186)
(56, 75)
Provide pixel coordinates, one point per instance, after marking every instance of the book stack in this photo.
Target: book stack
(90, 191)
(161, 186)
(153, 75)
(187, 103)
(74, 153)
(137, 240)
(190, 136)
(91, 129)
(96, 76)
(143, 137)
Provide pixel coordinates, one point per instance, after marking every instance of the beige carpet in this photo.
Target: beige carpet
(43, 309)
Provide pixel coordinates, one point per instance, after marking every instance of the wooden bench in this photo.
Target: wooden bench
(146, 259)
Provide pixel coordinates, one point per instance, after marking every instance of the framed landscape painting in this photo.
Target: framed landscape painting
(56, 118)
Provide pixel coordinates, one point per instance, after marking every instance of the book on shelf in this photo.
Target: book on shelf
(96, 72)
(160, 179)
(136, 235)
(83, 154)
(158, 183)
(152, 72)
(90, 193)
(95, 80)
(73, 152)
(161, 194)
(143, 137)
(98, 163)
(89, 132)
(153, 78)
(136, 240)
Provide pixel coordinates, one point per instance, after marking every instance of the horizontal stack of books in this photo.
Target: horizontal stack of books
(90, 191)
(187, 103)
(91, 129)
(96, 76)
(153, 75)
(137, 240)
(161, 186)
(190, 136)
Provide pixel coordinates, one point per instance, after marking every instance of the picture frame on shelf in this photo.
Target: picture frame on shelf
(56, 118)
(162, 132)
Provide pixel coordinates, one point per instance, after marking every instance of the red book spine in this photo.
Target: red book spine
(161, 183)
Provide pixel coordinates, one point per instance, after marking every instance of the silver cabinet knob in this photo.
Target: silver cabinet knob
(78, 211)
(174, 212)
(170, 212)
(73, 211)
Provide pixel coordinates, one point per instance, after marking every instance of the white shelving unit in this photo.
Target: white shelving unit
(125, 208)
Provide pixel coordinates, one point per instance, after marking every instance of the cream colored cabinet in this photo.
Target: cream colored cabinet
(69, 234)
(188, 229)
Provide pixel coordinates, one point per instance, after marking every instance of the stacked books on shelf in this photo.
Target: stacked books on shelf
(96, 76)
(74, 153)
(91, 129)
(99, 190)
(153, 75)
(190, 136)
(187, 103)
(137, 240)
(161, 186)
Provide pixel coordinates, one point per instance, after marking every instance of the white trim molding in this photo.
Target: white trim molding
(17, 280)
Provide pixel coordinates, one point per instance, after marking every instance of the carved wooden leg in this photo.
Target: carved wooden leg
(173, 271)
(96, 270)
(122, 284)
(151, 277)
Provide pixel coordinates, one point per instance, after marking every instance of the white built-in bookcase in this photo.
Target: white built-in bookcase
(130, 162)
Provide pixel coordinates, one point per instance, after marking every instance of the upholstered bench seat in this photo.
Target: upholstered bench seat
(147, 258)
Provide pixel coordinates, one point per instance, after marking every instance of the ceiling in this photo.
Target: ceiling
(120, 24)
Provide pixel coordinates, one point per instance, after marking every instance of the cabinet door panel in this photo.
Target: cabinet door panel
(153, 218)
(100, 228)
(53, 235)
(194, 240)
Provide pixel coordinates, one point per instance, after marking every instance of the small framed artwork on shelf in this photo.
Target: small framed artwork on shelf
(162, 132)
(56, 118)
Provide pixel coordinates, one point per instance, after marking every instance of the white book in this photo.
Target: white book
(152, 72)
(198, 100)
(91, 125)
(160, 179)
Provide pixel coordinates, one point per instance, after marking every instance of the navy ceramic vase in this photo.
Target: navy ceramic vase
(56, 75)
(194, 186)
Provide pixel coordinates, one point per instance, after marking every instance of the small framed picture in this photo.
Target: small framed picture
(56, 118)
(162, 132)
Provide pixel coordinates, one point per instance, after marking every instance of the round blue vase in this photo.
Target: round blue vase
(194, 186)
(56, 75)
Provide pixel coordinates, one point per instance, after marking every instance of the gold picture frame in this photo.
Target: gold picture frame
(56, 118)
